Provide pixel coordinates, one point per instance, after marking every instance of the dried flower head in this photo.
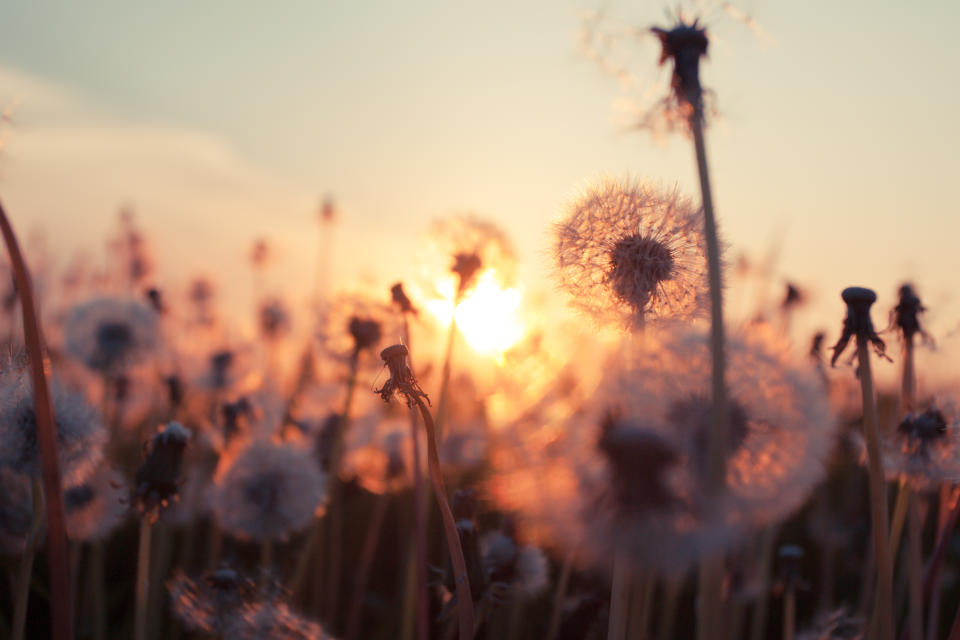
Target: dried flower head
(925, 446)
(857, 322)
(96, 507)
(274, 319)
(905, 317)
(684, 44)
(627, 473)
(467, 245)
(80, 430)
(108, 334)
(401, 380)
(400, 299)
(157, 481)
(628, 253)
(365, 333)
(267, 491)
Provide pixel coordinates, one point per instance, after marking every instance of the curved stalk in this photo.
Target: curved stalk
(57, 557)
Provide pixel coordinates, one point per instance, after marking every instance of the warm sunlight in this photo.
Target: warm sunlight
(489, 315)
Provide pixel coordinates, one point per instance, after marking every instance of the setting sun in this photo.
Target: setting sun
(489, 315)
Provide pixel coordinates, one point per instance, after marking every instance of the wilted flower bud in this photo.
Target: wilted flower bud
(399, 297)
(157, 481)
(466, 265)
(365, 333)
(906, 315)
(401, 378)
(685, 44)
(857, 322)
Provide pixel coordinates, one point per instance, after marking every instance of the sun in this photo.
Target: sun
(488, 317)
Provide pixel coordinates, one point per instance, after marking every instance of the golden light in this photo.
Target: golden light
(488, 317)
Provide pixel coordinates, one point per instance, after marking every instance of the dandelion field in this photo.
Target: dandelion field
(667, 440)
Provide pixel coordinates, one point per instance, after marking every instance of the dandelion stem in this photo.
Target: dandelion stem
(26, 564)
(619, 600)
(883, 604)
(98, 589)
(464, 597)
(374, 527)
(335, 511)
(671, 598)
(57, 557)
(143, 580)
(915, 523)
(899, 516)
(758, 628)
(560, 593)
(711, 571)
(420, 505)
(789, 613)
(445, 375)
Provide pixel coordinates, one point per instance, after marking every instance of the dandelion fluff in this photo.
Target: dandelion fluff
(267, 491)
(108, 334)
(80, 430)
(627, 474)
(627, 253)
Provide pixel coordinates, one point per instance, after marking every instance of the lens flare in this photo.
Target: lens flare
(488, 317)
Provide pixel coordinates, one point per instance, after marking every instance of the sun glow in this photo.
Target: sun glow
(488, 317)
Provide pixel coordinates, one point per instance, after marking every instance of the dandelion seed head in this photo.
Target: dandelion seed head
(925, 446)
(210, 604)
(627, 253)
(365, 332)
(638, 488)
(267, 491)
(80, 430)
(97, 507)
(524, 568)
(274, 319)
(109, 334)
(16, 511)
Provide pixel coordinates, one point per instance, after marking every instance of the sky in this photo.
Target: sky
(834, 147)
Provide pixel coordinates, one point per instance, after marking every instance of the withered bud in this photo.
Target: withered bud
(791, 561)
(328, 210)
(174, 390)
(906, 313)
(793, 297)
(857, 322)
(232, 413)
(155, 298)
(220, 362)
(401, 378)
(365, 332)
(685, 44)
(400, 299)
(466, 265)
(816, 346)
(158, 478)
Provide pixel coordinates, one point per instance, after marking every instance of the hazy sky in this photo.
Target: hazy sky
(837, 136)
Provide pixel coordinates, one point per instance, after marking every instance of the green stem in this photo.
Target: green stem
(883, 604)
(445, 375)
(899, 516)
(758, 628)
(671, 598)
(915, 568)
(98, 587)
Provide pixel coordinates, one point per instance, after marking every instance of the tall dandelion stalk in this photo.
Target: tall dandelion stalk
(403, 382)
(685, 45)
(857, 324)
(57, 554)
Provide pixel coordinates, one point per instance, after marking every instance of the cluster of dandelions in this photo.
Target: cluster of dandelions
(627, 474)
(628, 253)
